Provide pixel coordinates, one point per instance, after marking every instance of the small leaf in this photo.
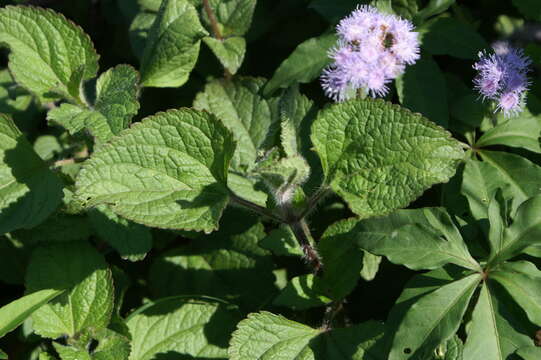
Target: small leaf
(132, 241)
(267, 336)
(191, 328)
(173, 171)
(230, 51)
(422, 89)
(234, 17)
(522, 280)
(29, 191)
(520, 132)
(16, 312)
(379, 156)
(82, 272)
(242, 109)
(172, 47)
(448, 36)
(433, 319)
(304, 64)
(301, 293)
(45, 69)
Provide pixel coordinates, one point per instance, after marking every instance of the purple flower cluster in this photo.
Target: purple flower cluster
(373, 49)
(502, 77)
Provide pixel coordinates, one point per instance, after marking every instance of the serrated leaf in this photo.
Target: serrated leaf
(74, 119)
(173, 171)
(111, 346)
(422, 89)
(379, 156)
(433, 319)
(139, 30)
(67, 352)
(244, 111)
(17, 311)
(531, 9)
(492, 333)
(522, 280)
(529, 352)
(301, 293)
(228, 264)
(172, 46)
(45, 67)
(87, 302)
(191, 328)
(234, 17)
(229, 51)
(448, 36)
(29, 191)
(520, 132)
(304, 64)
(523, 232)
(265, 336)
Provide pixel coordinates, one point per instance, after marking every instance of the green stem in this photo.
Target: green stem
(254, 207)
(215, 30)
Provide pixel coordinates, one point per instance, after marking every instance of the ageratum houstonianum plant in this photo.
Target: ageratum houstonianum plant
(164, 201)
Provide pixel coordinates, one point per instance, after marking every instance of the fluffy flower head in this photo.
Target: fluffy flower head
(373, 49)
(502, 77)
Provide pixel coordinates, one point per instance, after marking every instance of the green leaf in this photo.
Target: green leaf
(433, 319)
(497, 217)
(70, 352)
(520, 132)
(14, 100)
(87, 302)
(525, 231)
(172, 171)
(265, 336)
(151, 5)
(405, 8)
(247, 188)
(16, 312)
(228, 264)
(46, 50)
(531, 9)
(304, 64)
(530, 352)
(183, 327)
(422, 89)
(244, 111)
(491, 334)
(47, 147)
(139, 30)
(3, 355)
(172, 46)
(433, 7)
(522, 280)
(111, 346)
(234, 17)
(448, 36)
(379, 156)
(229, 51)
(282, 242)
(301, 293)
(132, 241)
(29, 191)
(74, 119)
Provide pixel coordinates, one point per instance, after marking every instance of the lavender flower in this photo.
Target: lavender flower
(373, 49)
(502, 77)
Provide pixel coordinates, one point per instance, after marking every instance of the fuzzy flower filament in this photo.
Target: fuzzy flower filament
(502, 77)
(373, 49)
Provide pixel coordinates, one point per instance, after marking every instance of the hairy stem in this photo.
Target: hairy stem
(254, 207)
(304, 238)
(215, 29)
(330, 312)
(314, 200)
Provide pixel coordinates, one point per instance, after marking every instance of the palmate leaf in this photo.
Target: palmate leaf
(265, 336)
(46, 68)
(182, 327)
(168, 171)
(380, 157)
(172, 46)
(29, 191)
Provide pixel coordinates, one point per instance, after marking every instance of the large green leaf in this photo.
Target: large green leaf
(228, 264)
(16, 312)
(304, 64)
(168, 171)
(29, 191)
(379, 156)
(433, 319)
(517, 132)
(422, 89)
(522, 280)
(448, 36)
(244, 111)
(183, 328)
(234, 17)
(47, 50)
(265, 336)
(82, 272)
(172, 46)
(230, 51)
(524, 232)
